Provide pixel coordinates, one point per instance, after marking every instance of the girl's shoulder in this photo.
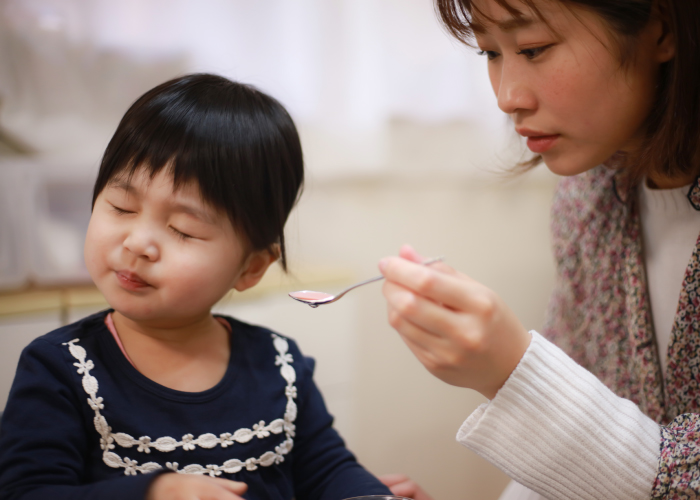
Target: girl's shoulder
(257, 340)
(252, 334)
(49, 361)
(84, 329)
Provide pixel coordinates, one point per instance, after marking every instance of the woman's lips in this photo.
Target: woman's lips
(541, 143)
(131, 281)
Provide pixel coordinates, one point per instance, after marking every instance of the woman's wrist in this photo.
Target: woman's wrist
(515, 356)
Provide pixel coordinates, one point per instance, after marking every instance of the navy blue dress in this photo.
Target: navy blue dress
(82, 423)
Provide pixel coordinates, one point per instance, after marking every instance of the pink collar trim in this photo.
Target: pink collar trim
(109, 322)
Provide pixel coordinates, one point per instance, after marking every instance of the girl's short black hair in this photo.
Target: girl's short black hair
(239, 144)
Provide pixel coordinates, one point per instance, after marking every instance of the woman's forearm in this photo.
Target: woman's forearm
(557, 429)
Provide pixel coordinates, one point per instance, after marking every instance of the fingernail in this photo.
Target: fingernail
(382, 264)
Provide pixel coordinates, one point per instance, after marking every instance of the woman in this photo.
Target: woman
(607, 94)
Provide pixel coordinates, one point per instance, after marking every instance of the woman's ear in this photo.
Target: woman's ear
(665, 38)
(255, 267)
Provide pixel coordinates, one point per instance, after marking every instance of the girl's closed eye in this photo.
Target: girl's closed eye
(181, 235)
(119, 210)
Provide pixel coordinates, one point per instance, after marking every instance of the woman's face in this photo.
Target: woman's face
(563, 84)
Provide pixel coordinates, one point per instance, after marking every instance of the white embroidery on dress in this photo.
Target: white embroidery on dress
(189, 442)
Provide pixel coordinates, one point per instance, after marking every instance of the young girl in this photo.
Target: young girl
(156, 398)
(607, 93)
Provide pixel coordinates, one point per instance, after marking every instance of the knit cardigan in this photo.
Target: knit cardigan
(600, 316)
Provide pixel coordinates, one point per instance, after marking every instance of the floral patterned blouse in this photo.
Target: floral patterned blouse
(600, 316)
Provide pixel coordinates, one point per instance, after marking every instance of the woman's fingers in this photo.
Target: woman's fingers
(437, 351)
(407, 252)
(439, 355)
(460, 330)
(424, 344)
(438, 282)
(430, 317)
(435, 318)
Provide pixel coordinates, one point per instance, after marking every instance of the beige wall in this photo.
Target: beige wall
(498, 233)
(395, 416)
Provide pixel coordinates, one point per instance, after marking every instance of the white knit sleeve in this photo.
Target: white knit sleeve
(516, 491)
(555, 428)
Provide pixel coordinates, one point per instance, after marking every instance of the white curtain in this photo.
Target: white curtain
(344, 68)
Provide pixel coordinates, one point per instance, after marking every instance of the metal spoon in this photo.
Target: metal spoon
(315, 299)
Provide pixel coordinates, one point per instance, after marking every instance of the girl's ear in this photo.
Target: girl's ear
(255, 267)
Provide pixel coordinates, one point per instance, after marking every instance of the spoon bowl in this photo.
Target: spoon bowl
(315, 299)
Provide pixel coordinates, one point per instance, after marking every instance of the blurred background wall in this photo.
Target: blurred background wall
(403, 144)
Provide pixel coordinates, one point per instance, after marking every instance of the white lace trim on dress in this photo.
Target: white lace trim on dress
(189, 442)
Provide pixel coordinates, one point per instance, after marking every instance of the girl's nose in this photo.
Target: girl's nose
(514, 94)
(141, 242)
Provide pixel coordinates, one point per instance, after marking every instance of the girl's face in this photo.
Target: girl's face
(563, 84)
(162, 256)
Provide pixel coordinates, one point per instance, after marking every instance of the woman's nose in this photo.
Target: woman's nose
(513, 93)
(141, 241)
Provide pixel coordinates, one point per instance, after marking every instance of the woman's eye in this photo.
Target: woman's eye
(490, 54)
(180, 234)
(533, 52)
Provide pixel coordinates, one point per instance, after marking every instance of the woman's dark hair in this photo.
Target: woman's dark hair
(239, 144)
(672, 143)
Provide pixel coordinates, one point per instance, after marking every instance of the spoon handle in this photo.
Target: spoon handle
(381, 277)
(371, 280)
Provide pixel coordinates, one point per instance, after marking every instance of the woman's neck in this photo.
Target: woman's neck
(659, 181)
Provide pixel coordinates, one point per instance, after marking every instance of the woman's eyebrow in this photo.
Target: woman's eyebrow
(514, 23)
(507, 26)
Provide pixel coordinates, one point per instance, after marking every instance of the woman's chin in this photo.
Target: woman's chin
(568, 167)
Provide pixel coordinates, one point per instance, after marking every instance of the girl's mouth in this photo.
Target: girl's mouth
(131, 281)
(541, 143)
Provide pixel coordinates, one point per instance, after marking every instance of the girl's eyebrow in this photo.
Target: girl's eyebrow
(123, 184)
(196, 212)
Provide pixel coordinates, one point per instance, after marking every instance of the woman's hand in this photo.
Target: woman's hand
(172, 486)
(404, 486)
(461, 331)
